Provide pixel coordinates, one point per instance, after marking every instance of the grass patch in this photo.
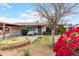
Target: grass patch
(42, 39)
(11, 41)
(42, 42)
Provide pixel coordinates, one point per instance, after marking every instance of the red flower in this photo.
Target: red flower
(71, 52)
(76, 39)
(63, 42)
(74, 29)
(77, 30)
(59, 52)
(73, 37)
(67, 33)
(65, 52)
(76, 45)
(61, 38)
(56, 46)
(70, 45)
(65, 47)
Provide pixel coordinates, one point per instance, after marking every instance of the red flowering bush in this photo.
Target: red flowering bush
(68, 43)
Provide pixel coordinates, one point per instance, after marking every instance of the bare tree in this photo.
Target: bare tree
(54, 12)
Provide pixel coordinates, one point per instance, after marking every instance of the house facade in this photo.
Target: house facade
(39, 28)
(15, 29)
(36, 27)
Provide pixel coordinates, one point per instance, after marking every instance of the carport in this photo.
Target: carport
(3, 25)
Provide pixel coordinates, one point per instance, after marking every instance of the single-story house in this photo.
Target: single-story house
(9, 29)
(15, 29)
(37, 27)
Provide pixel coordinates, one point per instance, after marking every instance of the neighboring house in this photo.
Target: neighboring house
(67, 25)
(37, 27)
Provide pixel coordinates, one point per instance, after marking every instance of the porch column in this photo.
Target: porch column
(43, 29)
(3, 35)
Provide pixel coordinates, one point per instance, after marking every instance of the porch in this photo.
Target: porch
(39, 30)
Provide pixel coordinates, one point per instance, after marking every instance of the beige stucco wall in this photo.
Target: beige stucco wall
(14, 31)
(6, 33)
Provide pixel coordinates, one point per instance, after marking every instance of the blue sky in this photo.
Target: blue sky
(14, 9)
(17, 12)
(24, 12)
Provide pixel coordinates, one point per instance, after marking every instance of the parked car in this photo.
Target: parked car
(31, 33)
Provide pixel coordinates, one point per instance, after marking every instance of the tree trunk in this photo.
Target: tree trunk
(53, 37)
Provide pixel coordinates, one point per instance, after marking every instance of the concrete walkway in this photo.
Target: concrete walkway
(32, 38)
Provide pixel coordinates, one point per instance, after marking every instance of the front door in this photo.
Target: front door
(39, 30)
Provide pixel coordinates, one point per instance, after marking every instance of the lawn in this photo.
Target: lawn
(10, 41)
(42, 46)
(42, 40)
(39, 47)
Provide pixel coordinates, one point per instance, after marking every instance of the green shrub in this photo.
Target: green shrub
(59, 30)
(48, 30)
(24, 31)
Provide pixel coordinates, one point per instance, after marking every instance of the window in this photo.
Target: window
(31, 28)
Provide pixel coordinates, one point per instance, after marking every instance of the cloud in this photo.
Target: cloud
(5, 5)
(3, 9)
(8, 20)
(74, 19)
(27, 16)
(31, 16)
(24, 15)
(14, 20)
